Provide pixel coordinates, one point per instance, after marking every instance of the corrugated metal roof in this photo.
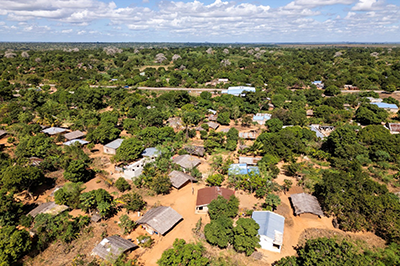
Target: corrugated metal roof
(270, 224)
(317, 132)
(178, 178)
(110, 248)
(72, 142)
(213, 125)
(208, 194)
(3, 133)
(260, 117)
(48, 207)
(386, 105)
(306, 203)
(150, 152)
(394, 127)
(242, 169)
(161, 219)
(114, 144)
(249, 160)
(54, 130)
(74, 135)
(186, 161)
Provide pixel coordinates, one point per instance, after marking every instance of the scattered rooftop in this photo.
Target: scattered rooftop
(54, 130)
(72, 142)
(49, 207)
(208, 194)
(114, 144)
(306, 203)
(110, 248)
(179, 179)
(186, 161)
(162, 219)
(74, 135)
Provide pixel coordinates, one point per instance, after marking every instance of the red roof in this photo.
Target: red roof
(208, 194)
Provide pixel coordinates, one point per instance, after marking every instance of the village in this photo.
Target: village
(184, 211)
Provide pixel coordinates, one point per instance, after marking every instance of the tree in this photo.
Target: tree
(69, 194)
(122, 185)
(126, 224)
(133, 201)
(271, 202)
(224, 118)
(332, 90)
(77, 171)
(215, 180)
(161, 184)
(274, 125)
(184, 254)
(129, 150)
(39, 146)
(103, 134)
(10, 209)
(14, 244)
(246, 237)
(222, 207)
(287, 184)
(219, 232)
(17, 178)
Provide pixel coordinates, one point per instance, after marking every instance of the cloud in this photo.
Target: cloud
(67, 31)
(300, 4)
(368, 5)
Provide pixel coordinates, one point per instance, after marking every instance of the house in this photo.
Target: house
(238, 91)
(195, 150)
(350, 87)
(49, 207)
(223, 80)
(111, 148)
(54, 130)
(212, 111)
(306, 203)
(394, 128)
(180, 179)
(390, 107)
(208, 194)
(151, 153)
(213, 117)
(242, 169)
(74, 141)
(310, 112)
(261, 118)
(374, 100)
(271, 229)
(110, 248)
(321, 131)
(35, 161)
(213, 125)
(3, 133)
(225, 130)
(318, 84)
(253, 134)
(249, 160)
(95, 218)
(186, 161)
(74, 135)
(160, 220)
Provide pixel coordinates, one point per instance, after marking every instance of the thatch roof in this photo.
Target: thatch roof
(179, 179)
(186, 161)
(306, 203)
(95, 218)
(162, 219)
(208, 194)
(48, 207)
(195, 150)
(74, 135)
(110, 248)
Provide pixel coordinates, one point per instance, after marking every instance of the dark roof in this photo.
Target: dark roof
(95, 217)
(2, 133)
(110, 248)
(208, 194)
(392, 127)
(178, 179)
(196, 150)
(48, 207)
(74, 135)
(186, 161)
(162, 219)
(306, 203)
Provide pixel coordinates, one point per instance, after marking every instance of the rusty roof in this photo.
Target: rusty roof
(208, 194)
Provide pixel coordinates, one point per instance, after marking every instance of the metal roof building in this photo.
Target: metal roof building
(238, 91)
(242, 169)
(208, 194)
(306, 203)
(261, 118)
(186, 161)
(179, 179)
(74, 135)
(271, 229)
(3, 133)
(249, 160)
(110, 248)
(111, 148)
(160, 220)
(48, 207)
(72, 142)
(151, 152)
(54, 130)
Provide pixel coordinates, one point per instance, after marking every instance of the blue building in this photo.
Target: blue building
(390, 107)
(239, 91)
(243, 169)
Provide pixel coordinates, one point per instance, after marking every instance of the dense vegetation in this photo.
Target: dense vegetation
(84, 89)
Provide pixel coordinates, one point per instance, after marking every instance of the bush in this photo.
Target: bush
(215, 180)
(122, 185)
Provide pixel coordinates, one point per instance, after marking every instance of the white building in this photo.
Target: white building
(271, 229)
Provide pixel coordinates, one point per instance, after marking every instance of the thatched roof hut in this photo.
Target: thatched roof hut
(306, 203)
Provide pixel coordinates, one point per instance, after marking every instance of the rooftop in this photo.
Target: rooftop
(271, 225)
(114, 144)
(242, 169)
(49, 207)
(54, 130)
(178, 178)
(306, 203)
(249, 160)
(162, 219)
(260, 117)
(239, 90)
(110, 248)
(208, 194)
(2, 133)
(150, 152)
(386, 105)
(72, 142)
(196, 150)
(213, 125)
(74, 135)
(186, 161)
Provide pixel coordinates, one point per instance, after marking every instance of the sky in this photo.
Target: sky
(215, 21)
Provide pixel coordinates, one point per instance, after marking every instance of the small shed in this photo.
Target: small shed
(3, 133)
(111, 148)
(186, 161)
(248, 135)
(74, 135)
(75, 141)
(213, 125)
(249, 160)
(95, 218)
(208, 194)
(160, 220)
(110, 248)
(180, 179)
(49, 207)
(195, 150)
(306, 203)
(54, 130)
(151, 153)
(271, 229)
(213, 117)
(175, 122)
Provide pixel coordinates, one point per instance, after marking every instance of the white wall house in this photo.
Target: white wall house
(271, 229)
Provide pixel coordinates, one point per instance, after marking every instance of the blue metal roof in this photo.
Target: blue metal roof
(386, 105)
(317, 132)
(150, 152)
(72, 142)
(269, 222)
(317, 82)
(114, 144)
(242, 169)
(240, 90)
(262, 117)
